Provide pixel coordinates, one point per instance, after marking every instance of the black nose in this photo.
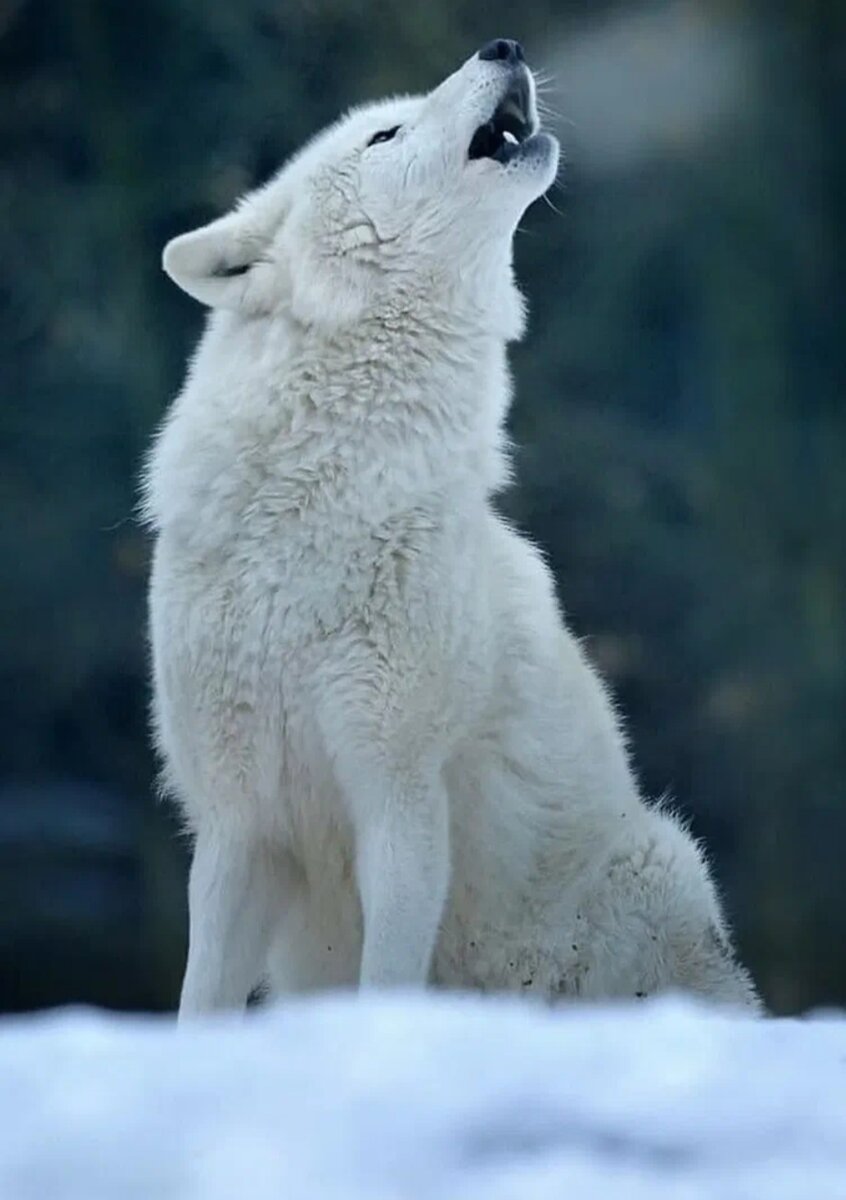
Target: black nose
(502, 50)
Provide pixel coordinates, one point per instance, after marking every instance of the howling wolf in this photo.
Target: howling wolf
(396, 763)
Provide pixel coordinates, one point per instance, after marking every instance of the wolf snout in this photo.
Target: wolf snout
(503, 50)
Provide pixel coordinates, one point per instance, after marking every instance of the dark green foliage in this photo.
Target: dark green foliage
(680, 417)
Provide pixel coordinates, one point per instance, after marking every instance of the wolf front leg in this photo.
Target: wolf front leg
(403, 877)
(237, 886)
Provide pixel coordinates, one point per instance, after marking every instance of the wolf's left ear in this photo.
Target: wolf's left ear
(217, 264)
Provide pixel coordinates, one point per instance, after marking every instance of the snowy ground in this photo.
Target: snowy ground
(424, 1097)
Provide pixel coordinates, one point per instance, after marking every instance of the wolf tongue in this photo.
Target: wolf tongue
(486, 141)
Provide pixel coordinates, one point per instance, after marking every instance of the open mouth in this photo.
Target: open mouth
(510, 125)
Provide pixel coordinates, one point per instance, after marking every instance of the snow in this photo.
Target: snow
(462, 1098)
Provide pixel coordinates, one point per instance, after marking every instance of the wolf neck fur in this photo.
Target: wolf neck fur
(352, 420)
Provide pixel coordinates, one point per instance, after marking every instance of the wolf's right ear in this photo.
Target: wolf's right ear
(217, 263)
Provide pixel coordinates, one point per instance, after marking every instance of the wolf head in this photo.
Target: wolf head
(398, 196)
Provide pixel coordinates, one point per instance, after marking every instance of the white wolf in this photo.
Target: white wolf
(396, 763)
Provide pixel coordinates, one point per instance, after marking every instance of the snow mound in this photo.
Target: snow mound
(424, 1096)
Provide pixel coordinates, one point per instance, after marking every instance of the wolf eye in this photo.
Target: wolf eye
(384, 135)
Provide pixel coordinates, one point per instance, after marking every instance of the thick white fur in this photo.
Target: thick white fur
(396, 763)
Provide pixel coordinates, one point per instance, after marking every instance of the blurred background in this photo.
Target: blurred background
(680, 420)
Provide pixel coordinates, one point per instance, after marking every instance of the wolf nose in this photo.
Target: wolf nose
(502, 50)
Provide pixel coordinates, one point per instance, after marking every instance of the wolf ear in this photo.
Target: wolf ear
(217, 263)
